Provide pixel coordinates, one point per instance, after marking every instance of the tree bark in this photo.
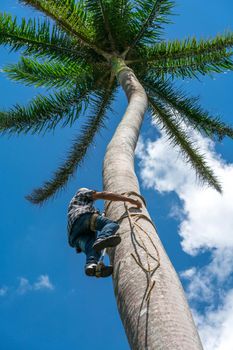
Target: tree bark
(149, 295)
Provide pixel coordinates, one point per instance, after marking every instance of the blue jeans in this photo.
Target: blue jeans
(81, 235)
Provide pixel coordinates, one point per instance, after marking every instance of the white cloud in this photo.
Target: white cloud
(199, 287)
(206, 221)
(188, 274)
(3, 291)
(42, 283)
(24, 286)
(215, 326)
(205, 209)
(207, 283)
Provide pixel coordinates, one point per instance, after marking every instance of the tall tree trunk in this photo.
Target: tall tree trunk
(149, 295)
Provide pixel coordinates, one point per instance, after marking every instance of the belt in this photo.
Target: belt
(93, 220)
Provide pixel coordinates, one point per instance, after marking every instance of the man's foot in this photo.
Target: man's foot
(101, 270)
(108, 242)
(90, 269)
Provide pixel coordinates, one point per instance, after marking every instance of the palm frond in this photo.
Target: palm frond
(122, 20)
(44, 112)
(100, 17)
(52, 74)
(189, 57)
(39, 38)
(187, 109)
(112, 21)
(71, 17)
(189, 47)
(100, 104)
(151, 15)
(180, 138)
(192, 67)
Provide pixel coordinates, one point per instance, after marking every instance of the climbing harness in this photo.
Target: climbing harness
(137, 228)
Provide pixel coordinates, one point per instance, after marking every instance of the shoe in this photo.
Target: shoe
(98, 270)
(103, 271)
(111, 241)
(90, 269)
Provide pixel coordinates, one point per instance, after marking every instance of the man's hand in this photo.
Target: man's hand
(136, 202)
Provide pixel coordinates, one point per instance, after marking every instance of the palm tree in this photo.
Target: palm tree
(88, 50)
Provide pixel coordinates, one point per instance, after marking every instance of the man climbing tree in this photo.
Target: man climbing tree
(83, 223)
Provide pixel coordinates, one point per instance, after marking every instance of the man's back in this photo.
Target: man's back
(81, 203)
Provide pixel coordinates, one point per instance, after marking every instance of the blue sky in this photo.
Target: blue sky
(46, 301)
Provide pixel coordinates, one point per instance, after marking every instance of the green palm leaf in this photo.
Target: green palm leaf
(150, 14)
(190, 47)
(71, 17)
(100, 17)
(49, 73)
(76, 155)
(189, 57)
(39, 38)
(122, 21)
(179, 137)
(45, 112)
(187, 109)
(112, 20)
(192, 67)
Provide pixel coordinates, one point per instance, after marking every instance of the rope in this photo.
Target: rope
(149, 271)
(136, 227)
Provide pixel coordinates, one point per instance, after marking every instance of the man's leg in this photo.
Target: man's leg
(106, 237)
(83, 237)
(85, 243)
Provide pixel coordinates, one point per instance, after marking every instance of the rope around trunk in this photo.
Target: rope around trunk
(136, 227)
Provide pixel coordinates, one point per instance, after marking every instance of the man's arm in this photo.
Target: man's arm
(110, 196)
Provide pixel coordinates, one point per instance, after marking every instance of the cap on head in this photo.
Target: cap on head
(83, 189)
